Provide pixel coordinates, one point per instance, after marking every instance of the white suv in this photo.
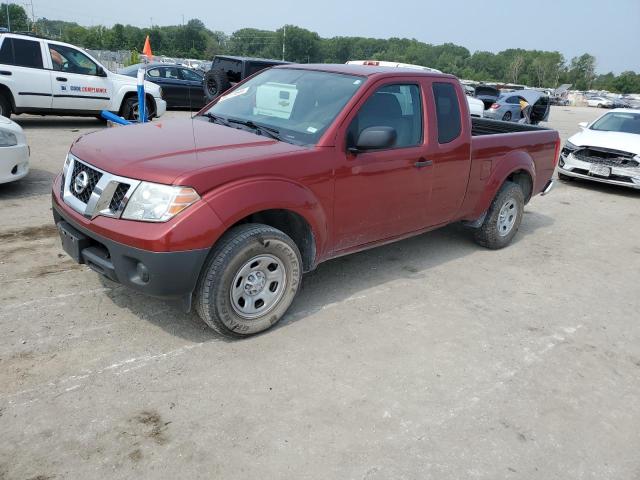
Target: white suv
(46, 77)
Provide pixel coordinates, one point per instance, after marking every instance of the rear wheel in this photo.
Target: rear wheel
(5, 106)
(216, 83)
(503, 217)
(506, 117)
(249, 281)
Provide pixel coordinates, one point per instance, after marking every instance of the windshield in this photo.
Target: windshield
(625, 122)
(298, 104)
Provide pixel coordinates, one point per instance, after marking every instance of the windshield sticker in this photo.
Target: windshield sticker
(312, 129)
(275, 100)
(357, 82)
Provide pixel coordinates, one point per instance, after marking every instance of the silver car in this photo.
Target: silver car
(507, 107)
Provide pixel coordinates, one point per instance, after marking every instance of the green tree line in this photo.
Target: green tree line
(194, 40)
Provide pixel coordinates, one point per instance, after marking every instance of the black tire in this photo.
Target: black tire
(216, 83)
(492, 234)
(564, 178)
(5, 106)
(506, 117)
(243, 247)
(129, 110)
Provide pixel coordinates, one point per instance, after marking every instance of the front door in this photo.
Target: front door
(78, 82)
(194, 82)
(384, 193)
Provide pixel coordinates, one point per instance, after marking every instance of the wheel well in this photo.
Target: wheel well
(129, 95)
(6, 91)
(293, 225)
(522, 178)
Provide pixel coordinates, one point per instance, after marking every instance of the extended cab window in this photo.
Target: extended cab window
(70, 60)
(21, 53)
(396, 106)
(447, 112)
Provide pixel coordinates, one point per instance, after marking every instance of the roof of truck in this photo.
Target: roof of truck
(364, 70)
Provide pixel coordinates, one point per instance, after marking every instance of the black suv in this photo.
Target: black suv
(226, 71)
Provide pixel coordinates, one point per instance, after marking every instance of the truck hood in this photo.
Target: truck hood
(173, 150)
(624, 142)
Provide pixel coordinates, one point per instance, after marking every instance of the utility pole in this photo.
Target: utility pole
(33, 16)
(284, 41)
(8, 18)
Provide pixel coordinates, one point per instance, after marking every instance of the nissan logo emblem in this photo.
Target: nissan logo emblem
(81, 182)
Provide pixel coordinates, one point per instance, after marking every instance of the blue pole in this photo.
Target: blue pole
(107, 115)
(142, 107)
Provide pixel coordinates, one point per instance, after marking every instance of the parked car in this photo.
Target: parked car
(600, 102)
(606, 151)
(53, 78)
(476, 107)
(181, 86)
(295, 166)
(227, 70)
(14, 152)
(508, 109)
(487, 94)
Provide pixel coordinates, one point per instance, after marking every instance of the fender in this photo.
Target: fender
(119, 92)
(237, 200)
(505, 166)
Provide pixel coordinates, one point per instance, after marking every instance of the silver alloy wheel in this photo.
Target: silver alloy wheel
(507, 217)
(258, 286)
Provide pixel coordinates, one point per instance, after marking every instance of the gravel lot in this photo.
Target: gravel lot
(428, 358)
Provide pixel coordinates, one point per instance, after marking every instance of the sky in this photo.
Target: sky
(609, 29)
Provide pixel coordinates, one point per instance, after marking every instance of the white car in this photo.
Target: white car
(599, 102)
(607, 150)
(476, 107)
(54, 78)
(14, 152)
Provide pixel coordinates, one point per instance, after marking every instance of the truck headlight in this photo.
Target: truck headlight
(7, 139)
(153, 202)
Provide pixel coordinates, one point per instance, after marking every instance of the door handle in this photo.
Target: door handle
(423, 162)
(61, 79)
(5, 72)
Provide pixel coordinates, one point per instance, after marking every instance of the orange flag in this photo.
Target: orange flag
(147, 49)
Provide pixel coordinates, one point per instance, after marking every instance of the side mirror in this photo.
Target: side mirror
(583, 124)
(100, 72)
(375, 138)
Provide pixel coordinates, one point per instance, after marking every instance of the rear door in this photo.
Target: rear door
(78, 82)
(383, 193)
(449, 148)
(22, 70)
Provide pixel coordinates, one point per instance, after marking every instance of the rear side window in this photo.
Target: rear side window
(447, 112)
(21, 53)
(513, 100)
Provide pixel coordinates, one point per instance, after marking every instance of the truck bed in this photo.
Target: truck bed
(485, 126)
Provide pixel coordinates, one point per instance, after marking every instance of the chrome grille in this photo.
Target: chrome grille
(93, 177)
(603, 156)
(104, 194)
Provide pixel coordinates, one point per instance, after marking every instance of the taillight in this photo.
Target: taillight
(495, 106)
(558, 143)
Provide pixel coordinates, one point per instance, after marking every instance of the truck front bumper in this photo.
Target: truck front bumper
(161, 106)
(159, 274)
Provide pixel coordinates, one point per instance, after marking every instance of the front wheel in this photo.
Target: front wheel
(130, 109)
(249, 281)
(503, 217)
(506, 117)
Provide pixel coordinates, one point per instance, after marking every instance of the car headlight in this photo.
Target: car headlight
(570, 146)
(153, 202)
(7, 139)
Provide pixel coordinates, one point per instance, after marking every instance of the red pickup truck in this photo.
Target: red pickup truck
(292, 167)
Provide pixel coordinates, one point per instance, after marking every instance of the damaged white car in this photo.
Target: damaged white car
(607, 150)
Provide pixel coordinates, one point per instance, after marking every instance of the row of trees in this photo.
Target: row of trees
(195, 40)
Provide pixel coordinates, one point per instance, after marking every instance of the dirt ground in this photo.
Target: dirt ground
(428, 358)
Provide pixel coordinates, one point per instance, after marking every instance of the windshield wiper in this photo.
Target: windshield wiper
(262, 129)
(216, 118)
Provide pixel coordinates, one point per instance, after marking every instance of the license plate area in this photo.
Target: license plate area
(600, 170)
(73, 242)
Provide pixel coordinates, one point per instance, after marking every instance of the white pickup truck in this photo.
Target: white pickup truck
(53, 78)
